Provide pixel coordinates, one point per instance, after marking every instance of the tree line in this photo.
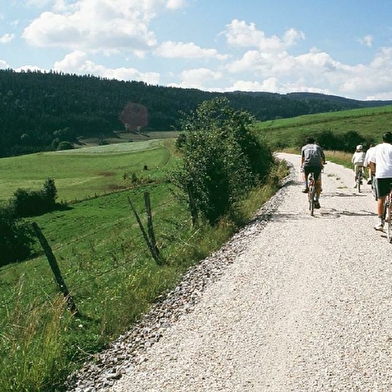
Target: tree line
(45, 111)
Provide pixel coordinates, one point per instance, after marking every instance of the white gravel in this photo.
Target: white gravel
(307, 306)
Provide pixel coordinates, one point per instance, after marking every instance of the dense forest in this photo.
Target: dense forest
(42, 111)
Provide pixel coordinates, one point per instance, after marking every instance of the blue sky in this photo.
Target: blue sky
(340, 47)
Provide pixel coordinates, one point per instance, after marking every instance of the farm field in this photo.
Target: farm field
(370, 123)
(88, 171)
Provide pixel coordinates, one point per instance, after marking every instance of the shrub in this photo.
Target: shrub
(30, 203)
(65, 146)
(16, 238)
(222, 160)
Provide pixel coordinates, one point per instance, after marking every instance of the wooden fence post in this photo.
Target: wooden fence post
(150, 227)
(154, 255)
(55, 269)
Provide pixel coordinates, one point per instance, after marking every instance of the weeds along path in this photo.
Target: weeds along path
(306, 306)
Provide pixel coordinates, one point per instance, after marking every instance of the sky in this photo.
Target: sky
(338, 47)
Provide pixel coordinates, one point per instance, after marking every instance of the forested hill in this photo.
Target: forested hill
(40, 110)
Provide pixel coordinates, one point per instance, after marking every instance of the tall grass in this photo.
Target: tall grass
(33, 346)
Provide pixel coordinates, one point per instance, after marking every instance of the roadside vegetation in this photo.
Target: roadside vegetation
(99, 247)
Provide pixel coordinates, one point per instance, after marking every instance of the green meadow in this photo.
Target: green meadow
(87, 171)
(100, 249)
(370, 123)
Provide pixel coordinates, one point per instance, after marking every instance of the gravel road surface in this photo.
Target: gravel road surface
(305, 305)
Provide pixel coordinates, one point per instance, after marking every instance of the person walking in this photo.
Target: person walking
(312, 160)
(358, 160)
(381, 164)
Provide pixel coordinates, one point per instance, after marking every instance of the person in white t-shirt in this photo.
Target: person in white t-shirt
(369, 153)
(381, 164)
(358, 160)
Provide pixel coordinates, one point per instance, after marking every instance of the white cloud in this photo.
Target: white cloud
(30, 68)
(175, 4)
(198, 78)
(373, 80)
(38, 3)
(315, 71)
(4, 65)
(273, 85)
(78, 63)
(367, 40)
(7, 38)
(240, 34)
(189, 50)
(97, 25)
(257, 61)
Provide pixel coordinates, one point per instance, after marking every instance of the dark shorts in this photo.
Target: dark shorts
(383, 186)
(312, 169)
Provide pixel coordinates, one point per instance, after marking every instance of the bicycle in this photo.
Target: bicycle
(359, 180)
(387, 213)
(311, 192)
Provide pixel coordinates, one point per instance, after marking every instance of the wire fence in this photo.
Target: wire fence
(79, 278)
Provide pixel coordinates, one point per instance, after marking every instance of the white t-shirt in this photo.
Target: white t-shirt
(368, 155)
(382, 157)
(358, 158)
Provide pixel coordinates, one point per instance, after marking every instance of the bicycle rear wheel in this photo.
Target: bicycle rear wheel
(312, 191)
(359, 180)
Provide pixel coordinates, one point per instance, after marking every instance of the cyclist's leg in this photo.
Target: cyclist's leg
(356, 170)
(382, 191)
(307, 170)
(317, 178)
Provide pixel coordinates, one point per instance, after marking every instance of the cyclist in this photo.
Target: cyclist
(381, 164)
(368, 154)
(358, 160)
(312, 160)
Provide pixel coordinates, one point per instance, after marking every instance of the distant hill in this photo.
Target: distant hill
(345, 103)
(42, 111)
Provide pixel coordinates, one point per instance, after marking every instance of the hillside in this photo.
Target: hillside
(38, 110)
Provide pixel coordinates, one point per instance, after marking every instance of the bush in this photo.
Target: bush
(65, 146)
(16, 238)
(30, 203)
(222, 160)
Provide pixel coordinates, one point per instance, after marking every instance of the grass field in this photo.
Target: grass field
(370, 123)
(78, 174)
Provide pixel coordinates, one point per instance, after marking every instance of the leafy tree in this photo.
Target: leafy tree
(222, 160)
(28, 202)
(16, 238)
(65, 146)
(50, 193)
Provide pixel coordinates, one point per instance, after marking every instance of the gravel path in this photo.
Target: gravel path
(300, 303)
